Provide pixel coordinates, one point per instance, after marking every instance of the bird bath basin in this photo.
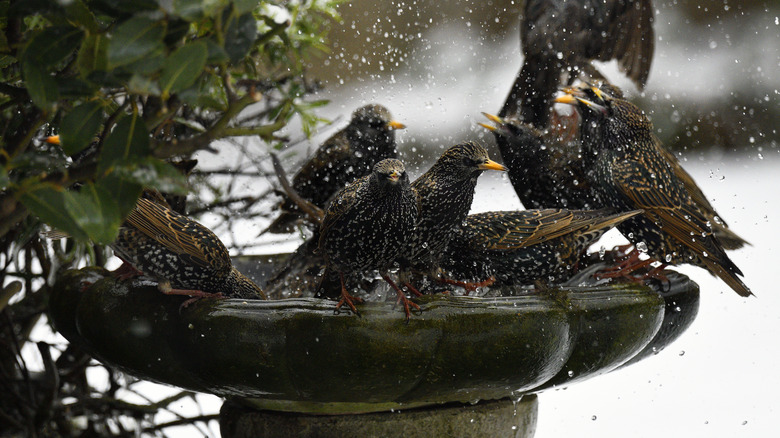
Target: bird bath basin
(297, 355)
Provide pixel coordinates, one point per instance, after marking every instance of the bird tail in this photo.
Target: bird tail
(727, 238)
(729, 273)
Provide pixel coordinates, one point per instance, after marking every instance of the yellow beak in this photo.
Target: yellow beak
(395, 125)
(492, 165)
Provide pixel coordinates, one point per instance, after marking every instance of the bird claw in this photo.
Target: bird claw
(350, 301)
(469, 286)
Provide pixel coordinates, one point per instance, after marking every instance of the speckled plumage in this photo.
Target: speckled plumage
(628, 171)
(559, 38)
(521, 247)
(545, 170)
(347, 155)
(171, 247)
(444, 194)
(367, 223)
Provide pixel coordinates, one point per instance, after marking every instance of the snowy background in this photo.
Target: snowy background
(437, 68)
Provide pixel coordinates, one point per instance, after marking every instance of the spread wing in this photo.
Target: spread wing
(190, 240)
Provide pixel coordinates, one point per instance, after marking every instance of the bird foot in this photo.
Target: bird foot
(349, 300)
(626, 269)
(126, 271)
(469, 286)
(194, 294)
(402, 299)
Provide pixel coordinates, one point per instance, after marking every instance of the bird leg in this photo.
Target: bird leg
(126, 271)
(347, 298)
(469, 286)
(314, 213)
(413, 289)
(164, 286)
(402, 297)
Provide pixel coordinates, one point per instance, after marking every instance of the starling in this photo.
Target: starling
(727, 238)
(521, 247)
(187, 258)
(545, 170)
(366, 226)
(347, 155)
(559, 38)
(444, 194)
(628, 171)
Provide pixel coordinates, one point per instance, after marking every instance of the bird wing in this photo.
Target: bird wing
(504, 231)
(629, 37)
(341, 203)
(665, 202)
(327, 160)
(181, 235)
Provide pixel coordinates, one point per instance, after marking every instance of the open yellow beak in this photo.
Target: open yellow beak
(492, 118)
(492, 165)
(567, 99)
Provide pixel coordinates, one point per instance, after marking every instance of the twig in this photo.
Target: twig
(314, 213)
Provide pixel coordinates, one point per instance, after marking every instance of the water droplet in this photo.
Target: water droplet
(681, 353)
(570, 373)
(593, 418)
(641, 247)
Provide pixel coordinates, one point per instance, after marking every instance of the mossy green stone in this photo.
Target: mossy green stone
(298, 355)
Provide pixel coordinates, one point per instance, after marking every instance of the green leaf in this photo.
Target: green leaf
(143, 85)
(240, 34)
(77, 12)
(48, 203)
(217, 54)
(52, 45)
(95, 211)
(183, 67)
(93, 55)
(188, 9)
(149, 64)
(40, 85)
(125, 192)
(134, 39)
(128, 142)
(79, 126)
(152, 172)
(243, 6)
(4, 180)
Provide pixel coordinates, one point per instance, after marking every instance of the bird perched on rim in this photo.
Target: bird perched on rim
(366, 227)
(628, 171)
(444, 194)
(727, 238)
(560, 38)
(186, 257)
(347, 155)
(543, 176)
(521, 247)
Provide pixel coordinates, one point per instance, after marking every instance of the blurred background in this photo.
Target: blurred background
(713, 95)
(714, 98)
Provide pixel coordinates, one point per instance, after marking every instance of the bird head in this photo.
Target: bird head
(465, 161)
(391, 171)
(375, 116)
(604, 109)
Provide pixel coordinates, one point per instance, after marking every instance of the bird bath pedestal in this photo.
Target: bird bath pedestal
(465, 366)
